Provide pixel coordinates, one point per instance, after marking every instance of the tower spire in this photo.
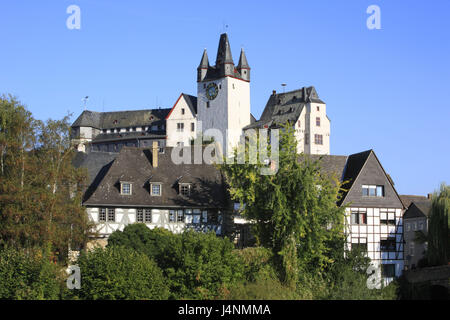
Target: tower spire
(202, 69)
(243, 67)
(224, 51)
(204, 63)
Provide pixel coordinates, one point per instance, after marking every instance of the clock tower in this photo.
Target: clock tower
(223, 96)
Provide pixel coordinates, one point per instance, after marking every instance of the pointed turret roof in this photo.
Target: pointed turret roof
(224, 51)
(243, 64)
(204, 63)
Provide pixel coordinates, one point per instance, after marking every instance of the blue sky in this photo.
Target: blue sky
(387, 90)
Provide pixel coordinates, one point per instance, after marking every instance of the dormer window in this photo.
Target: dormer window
(185, 189)
(155, 189)
(115, 122)
(125, 188)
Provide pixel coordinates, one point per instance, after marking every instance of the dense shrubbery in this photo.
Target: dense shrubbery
(197, 265)
(28, 274)
(120, 273)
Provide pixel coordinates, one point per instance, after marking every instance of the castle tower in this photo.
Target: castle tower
(223, 93)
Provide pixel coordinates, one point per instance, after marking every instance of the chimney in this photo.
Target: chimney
(274, 92)
(429, 196)
(155, 151)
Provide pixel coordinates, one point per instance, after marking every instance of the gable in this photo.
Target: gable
(370, 173)
(186, 102)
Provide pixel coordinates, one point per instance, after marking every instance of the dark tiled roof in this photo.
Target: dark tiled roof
(104, 137)
(408, 199)
(353, 168)
(329, 164)
(192, 102)
(135, 165)
(93, 162)
(418, 209)
(120, 119)
(286, 107)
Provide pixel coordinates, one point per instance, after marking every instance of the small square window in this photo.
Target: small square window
(185, 189)
(155, 189)
(125, 188)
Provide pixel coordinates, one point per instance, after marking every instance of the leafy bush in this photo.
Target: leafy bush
(28, 274)
(257, 263)
(120, 273)
(197, 265)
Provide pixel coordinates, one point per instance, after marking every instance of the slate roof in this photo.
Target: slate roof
(418, 206)
(104, 137)
(354, 165)
(285, 107)
(408, 199)
(135, 165)
(191, 101)
(330, 164)
(93, 161)
(419, 209)
(120, 119)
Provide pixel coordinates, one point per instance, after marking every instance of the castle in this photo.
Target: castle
(220, 110)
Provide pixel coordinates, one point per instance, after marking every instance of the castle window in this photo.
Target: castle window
(192, 126)
(155, 189)
(125, 188)
(318, 121)
(182, 110)
(318, 139)
(180, 127)
(318, 108)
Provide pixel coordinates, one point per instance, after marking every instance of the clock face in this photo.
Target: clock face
(212, 91)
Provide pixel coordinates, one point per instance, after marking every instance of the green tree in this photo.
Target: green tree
(120, 273)
(295, 209)
(40, 190)
(197, 265)
(29, 274)
(438, 235)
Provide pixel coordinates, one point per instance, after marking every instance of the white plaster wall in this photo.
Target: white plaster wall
(229, 112)
(175, 117)
(312, 129)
